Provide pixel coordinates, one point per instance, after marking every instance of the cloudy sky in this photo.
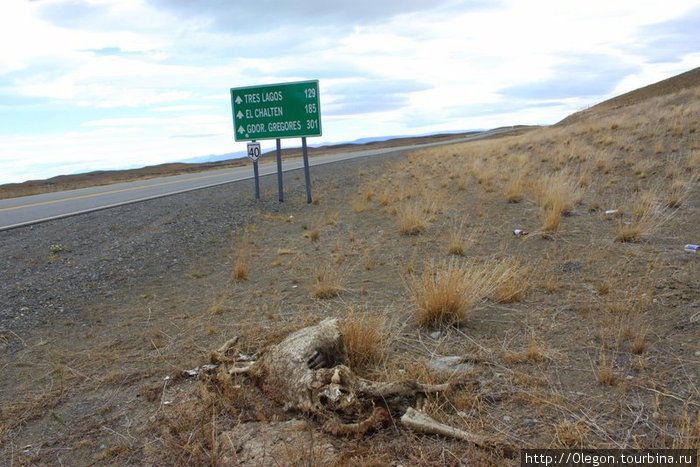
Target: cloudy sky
(103, 84)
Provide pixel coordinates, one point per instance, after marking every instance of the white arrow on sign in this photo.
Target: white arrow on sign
(241, 130)
(238, 99)
(239, 114)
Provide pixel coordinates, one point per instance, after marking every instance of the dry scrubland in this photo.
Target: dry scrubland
(583, 333)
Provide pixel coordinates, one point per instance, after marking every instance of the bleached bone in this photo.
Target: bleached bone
(420, 422)
(219, 355)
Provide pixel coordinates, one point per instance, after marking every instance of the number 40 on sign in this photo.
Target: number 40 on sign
(254, 151)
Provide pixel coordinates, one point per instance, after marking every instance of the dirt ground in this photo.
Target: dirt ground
(588, 336)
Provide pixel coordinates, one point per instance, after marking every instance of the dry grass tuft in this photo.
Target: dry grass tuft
(411, 218)
(242, 254)
(534, 352)
(516, 188)
(571, 435)
(314, 234)
(605, 370)
(241, 267)
(513, 285)
(440, 294)
(647, 216)
(365, 338)
(446, 292)
(456, 244)
(328, 282)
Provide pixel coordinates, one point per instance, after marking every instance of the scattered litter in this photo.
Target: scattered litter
(244, 357)
(166, 378)
(435, 334)
(191, 373)
(520, 232)
(691, 248)
(611, 212)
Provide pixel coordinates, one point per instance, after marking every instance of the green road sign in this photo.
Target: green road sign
(285, 110)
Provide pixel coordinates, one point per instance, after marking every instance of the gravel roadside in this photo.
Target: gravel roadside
(62, 270)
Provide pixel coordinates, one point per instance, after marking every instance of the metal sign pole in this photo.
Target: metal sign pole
(279, 170)
(253, 155)
(306, 169)
(257, 181)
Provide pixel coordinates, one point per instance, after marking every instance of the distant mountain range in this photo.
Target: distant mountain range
(372, 139)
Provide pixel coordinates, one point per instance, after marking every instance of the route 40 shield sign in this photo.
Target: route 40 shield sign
(253, 151)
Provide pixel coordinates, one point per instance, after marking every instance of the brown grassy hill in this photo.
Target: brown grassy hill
(687, 80)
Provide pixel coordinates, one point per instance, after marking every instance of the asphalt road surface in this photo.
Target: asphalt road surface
(17, 212)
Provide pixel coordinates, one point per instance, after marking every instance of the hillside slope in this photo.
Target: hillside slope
(687, 80)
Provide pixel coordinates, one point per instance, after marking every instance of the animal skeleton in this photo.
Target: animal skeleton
(305, 372)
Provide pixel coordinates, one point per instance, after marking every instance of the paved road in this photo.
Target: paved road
(17, 212)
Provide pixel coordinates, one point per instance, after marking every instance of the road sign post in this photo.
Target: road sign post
(307, 177)
(254, 155)
(276, 111)
(280, 191)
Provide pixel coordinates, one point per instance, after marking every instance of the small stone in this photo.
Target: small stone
(507, 418)
(450, 364)
(697, 353)
(572, 266)
(529, 422)
(435, 334)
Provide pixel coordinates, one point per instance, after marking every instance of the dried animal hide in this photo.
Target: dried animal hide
(306, 372)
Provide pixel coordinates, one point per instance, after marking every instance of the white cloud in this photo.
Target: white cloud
(148, 72)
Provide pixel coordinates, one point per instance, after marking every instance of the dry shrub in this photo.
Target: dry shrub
(515, 189)
(358, 205)
(556, 195)
(534, 352)
(550, 217)
(186, 431)
(677, 193)
(639, 344)
(571, 435)
(605, 370)
(447, 292)
(440, 294)
(365, 338)
(241, 267)
(328, 282)
(687, 435)
(314, 234)
(513, 286)
(647, 216)
(241, 262)
(412, 219)
(456, 244)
